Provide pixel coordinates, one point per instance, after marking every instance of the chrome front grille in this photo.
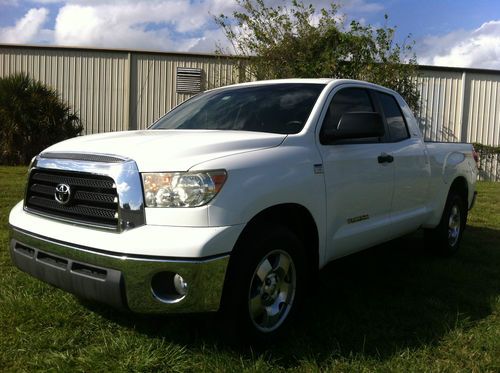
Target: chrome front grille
(105, 190)
(93, 198)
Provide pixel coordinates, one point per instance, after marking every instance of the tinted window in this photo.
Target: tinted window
(394, 117)
(348, 100)
(278, 108)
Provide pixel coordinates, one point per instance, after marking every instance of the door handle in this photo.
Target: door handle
(385, 158)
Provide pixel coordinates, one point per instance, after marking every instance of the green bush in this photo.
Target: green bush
(32, 117)
(290, 39)
(489, 161)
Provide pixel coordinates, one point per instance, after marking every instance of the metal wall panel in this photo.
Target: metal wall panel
(154, 82)
(462, 106)
(482, 102)
(94, 83)
(484, 108)
(440, 105)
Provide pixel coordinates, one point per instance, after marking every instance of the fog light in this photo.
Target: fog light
(180, 285)
(169, 287)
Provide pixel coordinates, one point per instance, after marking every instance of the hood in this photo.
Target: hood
(170, 150)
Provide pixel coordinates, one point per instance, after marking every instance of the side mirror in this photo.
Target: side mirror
(355, 126)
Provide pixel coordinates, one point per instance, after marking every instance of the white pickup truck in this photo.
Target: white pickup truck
(235, 199)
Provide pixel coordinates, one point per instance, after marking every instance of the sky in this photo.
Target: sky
(461, 33)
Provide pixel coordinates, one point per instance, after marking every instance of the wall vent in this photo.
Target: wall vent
(188, 80)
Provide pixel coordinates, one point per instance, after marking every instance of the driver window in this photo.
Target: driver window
(347, 100)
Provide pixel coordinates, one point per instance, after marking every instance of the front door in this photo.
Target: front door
(359, 178)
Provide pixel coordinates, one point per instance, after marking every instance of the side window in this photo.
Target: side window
(394, 117)
(347, 100)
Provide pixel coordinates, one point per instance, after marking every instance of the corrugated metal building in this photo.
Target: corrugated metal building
(458, 104)
(114, 90)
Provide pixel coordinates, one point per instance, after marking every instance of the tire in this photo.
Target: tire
(264, 283)
(445, 238)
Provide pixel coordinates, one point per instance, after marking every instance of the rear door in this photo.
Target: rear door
(411, 168)
(359, 184)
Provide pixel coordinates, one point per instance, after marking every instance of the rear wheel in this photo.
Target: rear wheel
(264, 283)
(445, 238)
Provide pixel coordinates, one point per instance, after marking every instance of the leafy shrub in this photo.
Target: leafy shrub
(32, 117)
(489, 161)
(289, 39)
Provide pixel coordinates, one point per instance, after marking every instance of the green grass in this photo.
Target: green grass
(391, 308)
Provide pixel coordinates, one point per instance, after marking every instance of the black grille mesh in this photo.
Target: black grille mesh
(93, 199)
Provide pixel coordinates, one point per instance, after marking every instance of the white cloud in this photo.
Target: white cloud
(157, 25)
(169, 25)
(208, 42)
(479, 48)
(27, 29)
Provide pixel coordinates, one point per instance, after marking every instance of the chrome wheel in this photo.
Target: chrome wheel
(454, 224)
(272, 291)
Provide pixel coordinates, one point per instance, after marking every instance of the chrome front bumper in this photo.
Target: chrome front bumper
(123, 281)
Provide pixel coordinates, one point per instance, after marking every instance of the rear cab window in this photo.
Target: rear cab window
(398, 130)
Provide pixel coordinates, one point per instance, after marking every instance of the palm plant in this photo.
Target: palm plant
(32, 117)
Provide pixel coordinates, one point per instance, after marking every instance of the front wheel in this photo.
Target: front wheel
(272, 291)
(264, 282)
(445, 238)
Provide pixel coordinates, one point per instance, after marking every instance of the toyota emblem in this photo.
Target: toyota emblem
(62, 193)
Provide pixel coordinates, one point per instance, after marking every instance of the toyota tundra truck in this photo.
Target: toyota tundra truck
(236, 198)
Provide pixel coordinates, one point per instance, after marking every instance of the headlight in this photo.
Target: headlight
(181, 189)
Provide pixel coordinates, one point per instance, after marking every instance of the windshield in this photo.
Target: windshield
(277, 108)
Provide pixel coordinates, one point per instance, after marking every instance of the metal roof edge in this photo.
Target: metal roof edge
(458, 69)
(117, 50)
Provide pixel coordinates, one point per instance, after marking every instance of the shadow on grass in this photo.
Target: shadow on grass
(376, 303)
